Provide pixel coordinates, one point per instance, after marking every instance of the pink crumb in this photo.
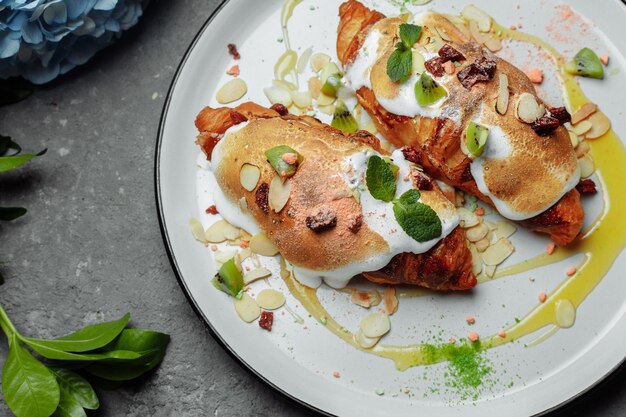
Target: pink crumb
(550, 248)
(472, 336)
(290, 158)
(244, 244)
(604, 58)
(479, 211)
(336, 374)
(213, 248)
(535, 75)
(502, 333)
(470, 320)
(566, 13)
(512, 27)
(542, 297)
(234, 71)
(570, 271)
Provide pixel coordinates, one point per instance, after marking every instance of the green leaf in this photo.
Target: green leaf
(29, 388)
(8, 163)
(380, 180)
(43, 348)
(76, 386)
(417, 219)
(11, 213)
(68, 406)
(88, 338)
(409, 34)
(14, 89)
(399, 64)
(155, 343)
(6, 143)
(275, 158)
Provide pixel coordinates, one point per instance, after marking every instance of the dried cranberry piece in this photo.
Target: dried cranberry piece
(280, 109)
(411, 154)
(487, 66)
(435, 66)
(237, 117)
(545, 125)
(232, 49)
(211, 209)
(561, 114)
(261, 197)
(479, 71)
(586, 187)
(421, 181)
(266, 320)
(323, 219)
(448, 53)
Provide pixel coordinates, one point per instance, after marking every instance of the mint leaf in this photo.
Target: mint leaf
(417, 219)
(409, 34)
(399, 64)
(380, 180)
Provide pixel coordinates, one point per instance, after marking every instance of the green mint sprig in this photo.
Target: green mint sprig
(400, 61)
(56, 383)
(417, 219)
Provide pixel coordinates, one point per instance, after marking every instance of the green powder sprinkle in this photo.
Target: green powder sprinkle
(323, 320)
(380, 391)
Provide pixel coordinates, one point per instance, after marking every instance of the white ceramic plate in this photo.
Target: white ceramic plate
(299, 360)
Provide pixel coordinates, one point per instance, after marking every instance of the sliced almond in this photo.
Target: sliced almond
(243, 254)
(483, 244)
(222, 256)
(301, 99)
(582, 149)
(255, 274)
(364, 341)
(278, 95)
(583, 112)
(270, 299)
(477, 261)
(443, 34)
(491, 225)
(330, 109)
(504, 229)
(587, 167)
(249, 176)
(365, 299)
(221, 231)
(324, 100)
(502, 102)
(490, 270)
(318, 61)
(573, 137)
(315, 87)
(197, 230)
(473, 13)
(279, 193)
(304, 60)
(233, 90)
(476, 233)
(375, 324)
(498, 252)
(436, 43)
(582, 127)
(565, 313)
(600, 124)
(247, 309)
(262, 245)
(467, 218)
(493, 44)
(390, 300)
(329, 69)
(527, 109)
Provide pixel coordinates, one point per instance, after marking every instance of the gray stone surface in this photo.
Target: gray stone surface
(90, 247)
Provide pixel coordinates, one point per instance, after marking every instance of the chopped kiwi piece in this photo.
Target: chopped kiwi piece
(586, 64)
(427, 91)
(332, 84)
(281, 157)
(343, 119)
(229, 279)
(476, 138)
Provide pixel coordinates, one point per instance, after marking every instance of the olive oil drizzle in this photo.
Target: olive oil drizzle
(601, 244)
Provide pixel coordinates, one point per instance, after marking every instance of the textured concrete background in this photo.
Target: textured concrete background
(90, 247)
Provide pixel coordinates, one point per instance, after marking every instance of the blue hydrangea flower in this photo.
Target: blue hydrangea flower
(42, 39)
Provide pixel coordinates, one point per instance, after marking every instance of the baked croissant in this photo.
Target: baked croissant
(527, 171)
(323, 230)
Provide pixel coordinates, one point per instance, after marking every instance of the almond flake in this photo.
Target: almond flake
(315, 87)
(221, 231)
(364, 341)
(249, 176)
(490, 270)
(270, 299)
(582, 149)
(482, 244)
(573, 137)
(477, 261)
(375, 324)
(233, 90)
(256, 274)
(582, 127)
(247, 309)
(527, 109)
(319, 61)
(279, 193)
(493, 44)
(365, 299)
(476, 233)
(262, 245)
(600, 124)
(502, 102)
(587, 167)
(473, 13)
(390, 300)
(505, 229)
(197, 230)
(583, 112)
(467, 218)
(498, 252)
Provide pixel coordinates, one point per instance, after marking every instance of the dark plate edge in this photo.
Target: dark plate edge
(568, 403)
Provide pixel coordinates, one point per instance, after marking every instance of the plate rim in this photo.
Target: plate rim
(595, 387)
